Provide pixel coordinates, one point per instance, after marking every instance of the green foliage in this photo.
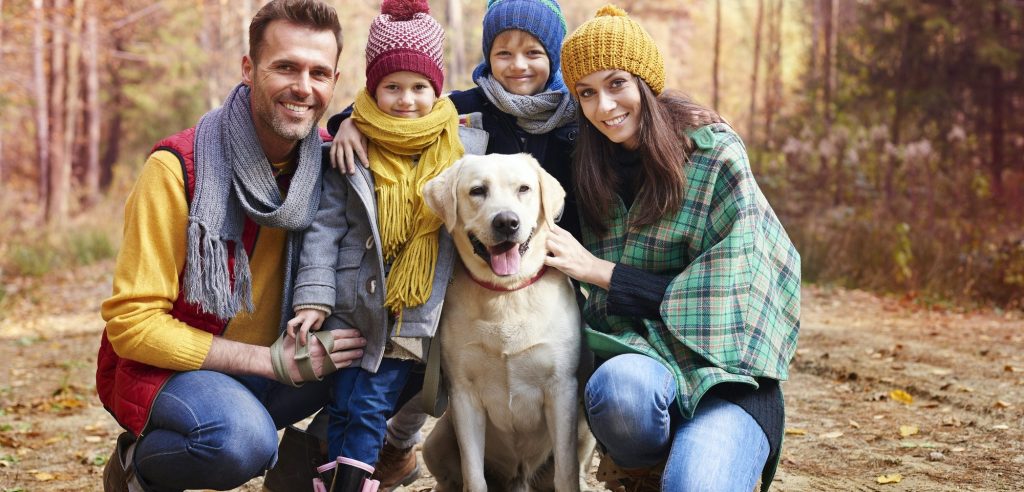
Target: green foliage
(35, 257)
(90, 246)
(902, 253)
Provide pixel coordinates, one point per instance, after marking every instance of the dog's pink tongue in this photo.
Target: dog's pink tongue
(505, 259)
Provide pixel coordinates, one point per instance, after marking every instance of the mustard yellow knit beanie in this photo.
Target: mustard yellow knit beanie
(612, 41)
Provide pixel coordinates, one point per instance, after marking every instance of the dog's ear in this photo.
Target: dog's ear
(552, 195)
(439, 194)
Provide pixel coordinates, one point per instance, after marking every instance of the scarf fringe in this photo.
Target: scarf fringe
(243, 278)
(417, 261)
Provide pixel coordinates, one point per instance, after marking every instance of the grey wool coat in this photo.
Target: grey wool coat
(342, 266)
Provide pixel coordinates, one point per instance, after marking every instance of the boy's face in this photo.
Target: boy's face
(405, 95)
(519, 62)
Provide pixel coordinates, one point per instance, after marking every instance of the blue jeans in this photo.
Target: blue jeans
(208, 430)
(361, 402)
(630, 403)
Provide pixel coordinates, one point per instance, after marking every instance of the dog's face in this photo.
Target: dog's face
(498, 209)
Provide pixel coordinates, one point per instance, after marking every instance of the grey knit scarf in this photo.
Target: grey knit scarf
(537, 114)
(235, 180)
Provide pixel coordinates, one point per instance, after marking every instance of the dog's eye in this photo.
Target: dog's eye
(478, 191)
(524, 189)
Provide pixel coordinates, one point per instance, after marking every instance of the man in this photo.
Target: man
(204, 275)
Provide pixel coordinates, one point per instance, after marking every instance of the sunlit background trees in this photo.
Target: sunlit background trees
(886, 133)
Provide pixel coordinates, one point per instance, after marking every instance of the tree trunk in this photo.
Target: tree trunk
(2, 17)
(73, 104)
(39, 80)
(457, 41)
(247, 13)
(897, 116)
(92, 105)
(112, 146)
(827, 64)
(773, 77)
(209, 41)
(718, 49)
(60, 171)
(753, 75)
(997, 126)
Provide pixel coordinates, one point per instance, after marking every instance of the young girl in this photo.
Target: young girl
(694, 298)
(524, 107)
(376, 258)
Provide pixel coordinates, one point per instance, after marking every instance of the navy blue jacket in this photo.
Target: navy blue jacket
(553, 150)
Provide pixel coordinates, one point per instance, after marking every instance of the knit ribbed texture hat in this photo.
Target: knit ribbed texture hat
(404, 37)
(543, 19)
(612, 41)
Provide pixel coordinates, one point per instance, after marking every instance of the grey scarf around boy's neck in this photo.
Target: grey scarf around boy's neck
(235, 180)
(537, 114)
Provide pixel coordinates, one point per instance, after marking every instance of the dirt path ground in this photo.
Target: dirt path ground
(959, 426)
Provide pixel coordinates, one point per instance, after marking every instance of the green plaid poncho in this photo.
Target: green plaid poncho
(732, 313)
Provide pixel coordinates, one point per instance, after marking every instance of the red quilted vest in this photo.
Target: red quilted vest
(128, 388)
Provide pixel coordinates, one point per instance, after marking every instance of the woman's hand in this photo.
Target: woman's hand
(348, 145)
(569, 256)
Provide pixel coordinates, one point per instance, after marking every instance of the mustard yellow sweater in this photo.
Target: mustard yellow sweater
(146, 277)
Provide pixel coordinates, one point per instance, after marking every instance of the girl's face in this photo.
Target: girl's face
(611, 102)
(519, 62)
(405, 95)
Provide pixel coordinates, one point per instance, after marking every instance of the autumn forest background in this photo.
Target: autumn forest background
(887, 134)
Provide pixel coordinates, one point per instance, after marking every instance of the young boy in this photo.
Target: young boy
(376, 258)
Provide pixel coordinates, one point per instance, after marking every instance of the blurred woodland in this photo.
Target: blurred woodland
(887, 133)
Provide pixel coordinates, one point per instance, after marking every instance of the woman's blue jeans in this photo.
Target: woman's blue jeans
(208, 430)
(630, 403)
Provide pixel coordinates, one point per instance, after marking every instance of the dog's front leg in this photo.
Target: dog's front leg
(560, 411)
(470, 423)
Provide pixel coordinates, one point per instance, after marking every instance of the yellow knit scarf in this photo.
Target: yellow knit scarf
(408, 228)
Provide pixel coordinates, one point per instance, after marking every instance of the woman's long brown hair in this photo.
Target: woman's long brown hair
(664, 149)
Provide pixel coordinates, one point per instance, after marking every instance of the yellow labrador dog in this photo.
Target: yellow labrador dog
(509, 332)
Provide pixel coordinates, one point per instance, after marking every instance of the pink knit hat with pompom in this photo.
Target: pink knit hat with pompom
(404, 37)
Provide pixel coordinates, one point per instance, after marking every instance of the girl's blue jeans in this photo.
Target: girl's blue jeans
(630, 403)
(361, 402)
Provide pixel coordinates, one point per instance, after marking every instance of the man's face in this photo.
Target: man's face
(292, 82)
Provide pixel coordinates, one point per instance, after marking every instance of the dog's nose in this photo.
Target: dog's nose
(506, 223)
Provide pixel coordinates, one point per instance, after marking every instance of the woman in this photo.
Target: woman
(694, 286)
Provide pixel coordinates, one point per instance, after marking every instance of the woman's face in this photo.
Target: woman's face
(611, 102)
(519, 62)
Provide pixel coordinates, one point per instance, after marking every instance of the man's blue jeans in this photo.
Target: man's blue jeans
(630, 403)
(208, 430)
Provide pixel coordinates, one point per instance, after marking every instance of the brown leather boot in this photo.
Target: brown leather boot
(396, 467)
(119, 472)
(619, 479)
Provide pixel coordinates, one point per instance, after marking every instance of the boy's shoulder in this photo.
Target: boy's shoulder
(469, 101)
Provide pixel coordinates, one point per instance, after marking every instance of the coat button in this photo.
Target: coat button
(371, 285)
(369, 242)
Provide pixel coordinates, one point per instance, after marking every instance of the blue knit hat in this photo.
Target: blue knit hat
(542, 19)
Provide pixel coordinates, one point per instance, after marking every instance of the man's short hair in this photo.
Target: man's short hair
(313, 14)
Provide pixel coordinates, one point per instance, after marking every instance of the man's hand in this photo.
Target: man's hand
(348, 145)
(347, 350)
(231, 357)
(569, 256)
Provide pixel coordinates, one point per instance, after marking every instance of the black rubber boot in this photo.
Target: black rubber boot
(350, 477)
